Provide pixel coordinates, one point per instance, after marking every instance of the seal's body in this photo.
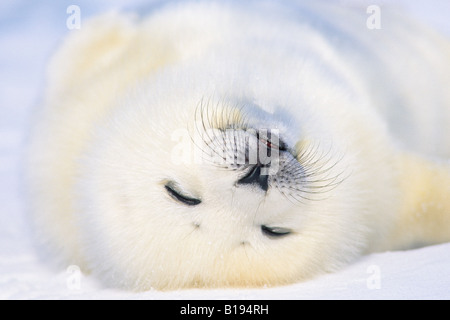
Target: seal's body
(145, 163)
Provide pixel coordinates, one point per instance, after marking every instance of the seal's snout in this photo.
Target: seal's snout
(256, 177)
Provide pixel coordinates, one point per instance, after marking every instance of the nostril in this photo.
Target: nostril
(254, 176)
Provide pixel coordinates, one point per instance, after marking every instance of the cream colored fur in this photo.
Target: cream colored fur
(370, 102)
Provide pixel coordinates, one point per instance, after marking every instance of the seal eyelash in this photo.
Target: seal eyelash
(315, 177)
(212, 120)
(309, 171)
(181, 197)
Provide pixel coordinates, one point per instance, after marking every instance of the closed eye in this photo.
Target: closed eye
(275, 231)
(177, 195)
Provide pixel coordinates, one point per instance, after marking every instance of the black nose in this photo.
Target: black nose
(255, 177)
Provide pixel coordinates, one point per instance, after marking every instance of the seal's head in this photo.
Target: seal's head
(197, 188)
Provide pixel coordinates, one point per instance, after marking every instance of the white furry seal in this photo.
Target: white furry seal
(340, 111)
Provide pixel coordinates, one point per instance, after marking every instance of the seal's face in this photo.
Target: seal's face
(220, 198)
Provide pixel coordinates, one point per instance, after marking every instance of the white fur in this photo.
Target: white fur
(119, 89)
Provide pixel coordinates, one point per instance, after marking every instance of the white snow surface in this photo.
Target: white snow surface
(29, 32)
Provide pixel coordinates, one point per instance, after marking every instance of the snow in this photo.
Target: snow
(29, 33)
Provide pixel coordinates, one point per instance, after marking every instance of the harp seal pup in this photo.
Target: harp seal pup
(145, 165)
